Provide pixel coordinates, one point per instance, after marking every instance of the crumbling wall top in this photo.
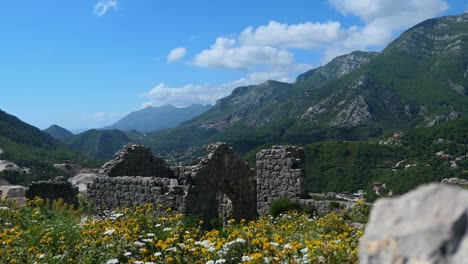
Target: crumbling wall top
(136, 160)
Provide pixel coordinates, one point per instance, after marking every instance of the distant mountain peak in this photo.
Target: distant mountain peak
(153, 118)
(58, 132)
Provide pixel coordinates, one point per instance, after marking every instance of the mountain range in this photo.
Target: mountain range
(152, 118)
(418, 80)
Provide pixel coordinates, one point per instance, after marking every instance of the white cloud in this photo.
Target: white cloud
(176, 54)
(103, 6)
(408, 12)
(269, 45)
(303, 36)
(205, 94)
(226, 53)
(383, 19)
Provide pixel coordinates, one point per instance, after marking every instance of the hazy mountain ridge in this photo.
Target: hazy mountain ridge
(151, 118)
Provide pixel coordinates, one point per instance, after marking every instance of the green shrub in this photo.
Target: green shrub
(283, 205)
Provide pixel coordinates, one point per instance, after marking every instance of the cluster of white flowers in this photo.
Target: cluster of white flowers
(109, 231)
(138, 243)
(246, 258)
(112, 261)
(173, 249)
(219, 261)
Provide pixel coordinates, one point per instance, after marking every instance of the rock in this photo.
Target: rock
(68, 169)
(455, 181)
(14, 192)
(81, 180)
(427, 225)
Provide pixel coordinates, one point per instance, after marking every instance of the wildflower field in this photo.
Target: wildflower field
(37, 233)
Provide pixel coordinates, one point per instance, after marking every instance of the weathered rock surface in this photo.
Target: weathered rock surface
(358, 104)
(455, 181)
(339, 66)
(5, 165)
(136, 160)
(14, 193)
(81, 180)
(427, 225)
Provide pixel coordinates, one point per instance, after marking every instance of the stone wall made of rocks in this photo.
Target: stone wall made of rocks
(53, 190)
(280, 174)
(125, 191)
(222, 185)
(136, 160)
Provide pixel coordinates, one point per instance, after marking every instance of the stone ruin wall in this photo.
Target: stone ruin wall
(53, 190)
(221, 185)
(125, 191)
(280, 174)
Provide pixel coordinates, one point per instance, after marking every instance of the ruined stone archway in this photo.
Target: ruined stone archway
(223, 185)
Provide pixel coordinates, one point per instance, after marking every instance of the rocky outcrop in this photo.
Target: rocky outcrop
(363, 101)
(457, 88)
(280, 174)
(136, 160)
(427, 225)
(53, 190)
(456, 182)
(338, 67)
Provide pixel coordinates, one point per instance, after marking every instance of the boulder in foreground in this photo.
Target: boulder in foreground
(427, 225)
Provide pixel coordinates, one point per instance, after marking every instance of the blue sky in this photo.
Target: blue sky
(86, 63)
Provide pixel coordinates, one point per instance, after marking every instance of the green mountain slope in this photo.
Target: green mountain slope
(101, 144)
(152, 119)
(57, 132)
(29, 147)
(420, 79)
